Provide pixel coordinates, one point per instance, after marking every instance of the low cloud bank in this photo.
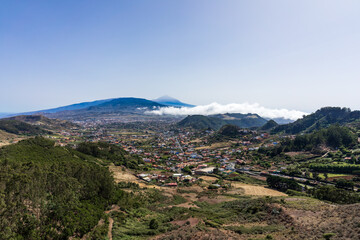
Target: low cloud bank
(216, 108)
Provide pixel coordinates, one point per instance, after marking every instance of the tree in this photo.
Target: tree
(153, 224)
(326, 176)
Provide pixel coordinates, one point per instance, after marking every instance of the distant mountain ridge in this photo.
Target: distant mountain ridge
(322, 118)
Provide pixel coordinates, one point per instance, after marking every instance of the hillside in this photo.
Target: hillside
(50, 191)
(242, 120)
(201, 122)
(21, 128)
(44, 122)
(322, 118)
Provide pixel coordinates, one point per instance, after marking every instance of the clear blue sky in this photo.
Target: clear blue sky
(300, 55)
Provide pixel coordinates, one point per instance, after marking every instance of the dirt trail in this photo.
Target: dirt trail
(114, 208)
(111, 223)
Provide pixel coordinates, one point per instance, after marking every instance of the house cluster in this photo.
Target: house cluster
(167, 179)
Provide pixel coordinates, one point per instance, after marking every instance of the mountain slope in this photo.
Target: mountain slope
(320, 119)
(170, 101)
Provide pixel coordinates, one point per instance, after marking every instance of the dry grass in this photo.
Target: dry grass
(254, 190)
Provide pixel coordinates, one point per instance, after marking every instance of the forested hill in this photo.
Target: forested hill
(322, 118)
(215, 122)
(201, 122)
(50, 192)
(21, 128)
(242, 120)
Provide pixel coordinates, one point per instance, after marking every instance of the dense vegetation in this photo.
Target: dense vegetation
(111, 152)
(282, 184)
(20, 128)
(322, 118)
(334, 137)
(50, 192)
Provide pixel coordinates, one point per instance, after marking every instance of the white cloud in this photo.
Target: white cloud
(216, 108)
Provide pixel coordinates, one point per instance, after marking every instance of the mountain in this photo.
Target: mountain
(44, 122)
(269, 125)
(242, 120)
(201, 122)
(119, 109)
(20, 128)
(170, 101)
(322, 118)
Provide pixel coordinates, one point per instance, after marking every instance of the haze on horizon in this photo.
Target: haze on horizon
(296, 55)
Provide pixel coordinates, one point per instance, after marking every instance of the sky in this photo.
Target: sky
(275, 54)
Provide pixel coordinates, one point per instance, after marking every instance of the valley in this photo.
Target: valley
(169, 180)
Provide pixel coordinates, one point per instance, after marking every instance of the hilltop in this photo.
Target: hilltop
(322, 118)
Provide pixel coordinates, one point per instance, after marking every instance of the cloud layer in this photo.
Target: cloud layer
(216, 108)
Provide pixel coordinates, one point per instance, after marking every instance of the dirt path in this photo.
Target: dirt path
(111, 223)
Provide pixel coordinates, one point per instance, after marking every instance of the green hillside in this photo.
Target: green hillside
(322, 118)
(20, 128)
(50, 192)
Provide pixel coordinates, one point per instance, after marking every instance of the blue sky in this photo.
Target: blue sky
(280, 54)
